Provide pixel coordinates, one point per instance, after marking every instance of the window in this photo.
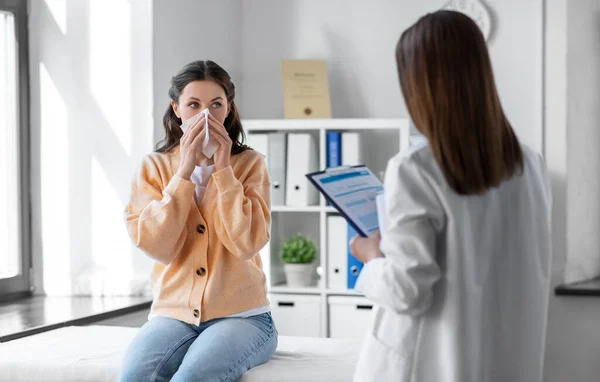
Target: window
(14, 174)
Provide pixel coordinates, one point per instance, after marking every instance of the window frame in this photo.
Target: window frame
(22, 283)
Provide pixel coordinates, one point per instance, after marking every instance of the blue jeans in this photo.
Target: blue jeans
(222, 349)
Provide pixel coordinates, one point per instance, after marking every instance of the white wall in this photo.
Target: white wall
(91, 122)
(572, 63)
(357, 39)
(190, 30)
(583, 156)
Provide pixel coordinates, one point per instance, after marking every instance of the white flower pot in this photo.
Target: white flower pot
(298, 275)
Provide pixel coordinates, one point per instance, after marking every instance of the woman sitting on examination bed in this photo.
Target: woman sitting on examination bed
(202, 216)
(461, 270)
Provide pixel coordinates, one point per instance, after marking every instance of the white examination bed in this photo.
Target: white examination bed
(94, 354)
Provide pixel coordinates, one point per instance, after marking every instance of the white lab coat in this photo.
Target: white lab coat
(462, 292)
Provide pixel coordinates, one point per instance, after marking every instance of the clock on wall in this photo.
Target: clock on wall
(476, 10)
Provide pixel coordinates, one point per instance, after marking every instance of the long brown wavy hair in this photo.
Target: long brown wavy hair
(202, 71)
(447, 81)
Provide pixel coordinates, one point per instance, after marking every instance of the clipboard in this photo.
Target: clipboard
(357, 204)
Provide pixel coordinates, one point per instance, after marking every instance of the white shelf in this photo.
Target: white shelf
(296, 209)
(326, 124)
(283, 288)
(327, 209)
(343, 292)
(313, 290)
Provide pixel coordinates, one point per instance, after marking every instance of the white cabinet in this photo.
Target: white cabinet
(296, 315)
(349, 317)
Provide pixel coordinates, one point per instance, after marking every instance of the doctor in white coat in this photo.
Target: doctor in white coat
(460, 274)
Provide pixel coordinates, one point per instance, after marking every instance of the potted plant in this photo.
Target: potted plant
(297, 254)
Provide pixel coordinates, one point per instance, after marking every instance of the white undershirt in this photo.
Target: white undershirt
(251, 312)
(200, 178)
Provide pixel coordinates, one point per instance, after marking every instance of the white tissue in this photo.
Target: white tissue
(209, 146)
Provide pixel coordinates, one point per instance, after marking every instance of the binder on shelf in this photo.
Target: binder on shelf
(302, 158)
(334, 149)
(265, 258)
(337, 253)
(351, 154)
(260, 142)
(277, 145)
(354, 265)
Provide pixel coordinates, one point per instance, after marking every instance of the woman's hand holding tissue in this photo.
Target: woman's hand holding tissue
(220, 134)
(189, 145)
(366, 249)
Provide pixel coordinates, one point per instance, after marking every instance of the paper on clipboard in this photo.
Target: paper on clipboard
(352, 191)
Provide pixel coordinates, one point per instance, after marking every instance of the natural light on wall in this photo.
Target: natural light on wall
(58, 8)
(9, 151)
(110, 64)
(110, 69)
(110, 244)
(55, 199)
(96, 123)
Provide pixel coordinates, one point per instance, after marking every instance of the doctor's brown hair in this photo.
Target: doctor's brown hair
(448, 84)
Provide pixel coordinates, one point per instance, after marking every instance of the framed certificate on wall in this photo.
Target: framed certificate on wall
(305, 89)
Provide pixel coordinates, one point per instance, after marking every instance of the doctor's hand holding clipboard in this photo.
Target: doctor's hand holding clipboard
(358, 196)
(366, 249)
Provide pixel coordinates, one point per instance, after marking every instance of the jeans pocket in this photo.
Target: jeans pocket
(263, 322)
(272, 323)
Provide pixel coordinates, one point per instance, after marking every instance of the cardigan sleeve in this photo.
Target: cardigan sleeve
(156, 217)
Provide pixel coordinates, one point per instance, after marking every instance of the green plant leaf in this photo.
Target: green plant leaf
(298, 250)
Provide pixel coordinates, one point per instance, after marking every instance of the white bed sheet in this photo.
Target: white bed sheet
(94, 354)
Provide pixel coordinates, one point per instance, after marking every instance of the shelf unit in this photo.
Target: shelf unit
(380, 140)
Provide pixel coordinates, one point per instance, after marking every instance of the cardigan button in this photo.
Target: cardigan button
(196, 313)
(201, 272)
(201, 228)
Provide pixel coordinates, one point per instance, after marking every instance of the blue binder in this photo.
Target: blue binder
(334, 149)
(354, 266)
